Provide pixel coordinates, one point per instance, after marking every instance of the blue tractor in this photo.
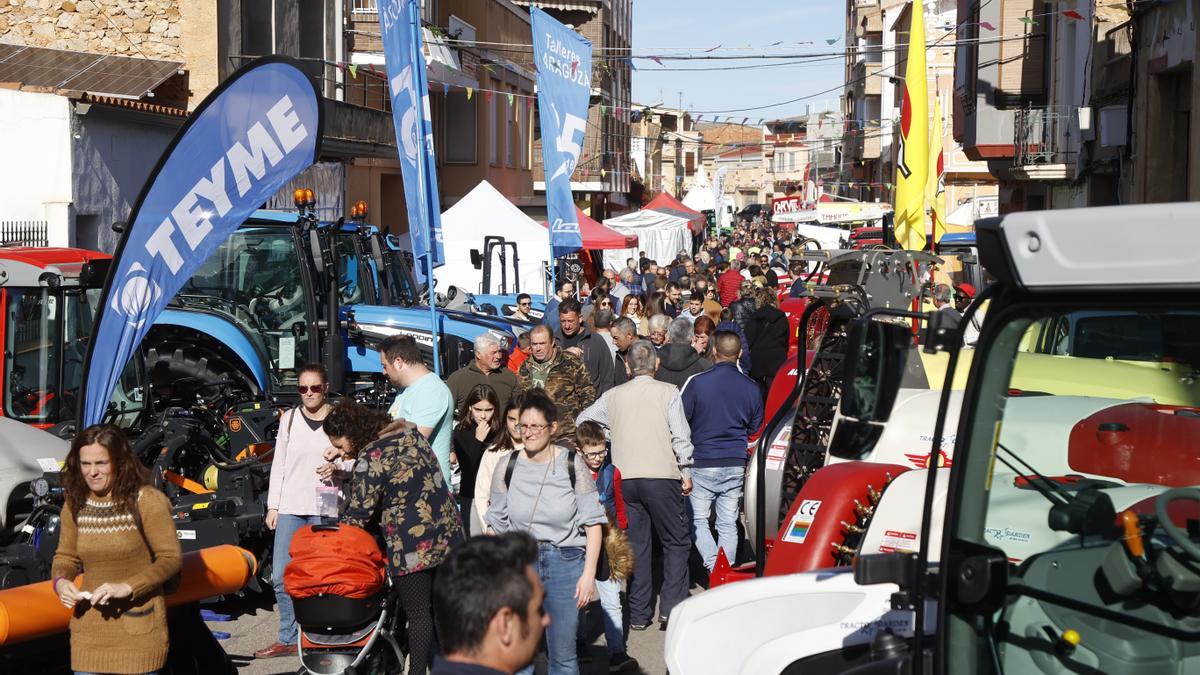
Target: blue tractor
(284, 290)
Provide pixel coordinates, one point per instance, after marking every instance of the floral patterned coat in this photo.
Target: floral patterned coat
(397, 491)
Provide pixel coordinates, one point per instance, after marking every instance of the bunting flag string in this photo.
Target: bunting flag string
(353, 68)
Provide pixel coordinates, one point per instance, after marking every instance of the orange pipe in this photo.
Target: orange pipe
(33, 611)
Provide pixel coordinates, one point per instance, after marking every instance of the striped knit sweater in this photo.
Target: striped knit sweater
(130, 635)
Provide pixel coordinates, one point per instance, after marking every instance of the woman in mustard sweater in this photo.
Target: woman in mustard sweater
(118, 531)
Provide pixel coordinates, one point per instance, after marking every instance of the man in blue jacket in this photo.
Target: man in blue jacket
(723, 408)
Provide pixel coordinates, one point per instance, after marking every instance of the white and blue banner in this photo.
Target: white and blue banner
(400, 21)
(256, 131)
(563, 60)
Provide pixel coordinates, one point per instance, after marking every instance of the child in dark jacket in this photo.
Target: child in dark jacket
(589, 437)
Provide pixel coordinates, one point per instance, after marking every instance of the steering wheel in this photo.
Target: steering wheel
(1172, 530)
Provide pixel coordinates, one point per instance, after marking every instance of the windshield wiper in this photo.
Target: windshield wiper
(1052, 491)
(1086, 511)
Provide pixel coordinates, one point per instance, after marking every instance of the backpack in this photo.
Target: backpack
(512, 464)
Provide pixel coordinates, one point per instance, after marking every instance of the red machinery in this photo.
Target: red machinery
(48, 297)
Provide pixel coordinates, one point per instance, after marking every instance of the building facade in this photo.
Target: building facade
(1055, 131)
(481, 99)
(876, 62)
(669, 150)
(601, 182)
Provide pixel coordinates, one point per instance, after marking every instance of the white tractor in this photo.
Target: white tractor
(1059, 531)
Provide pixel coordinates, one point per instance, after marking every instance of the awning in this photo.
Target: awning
(568, 5)
(665, 203)
(828, 213)
(598, 237)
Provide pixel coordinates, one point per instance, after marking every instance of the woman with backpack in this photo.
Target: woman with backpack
(298, 468)
(397, 491)
(548, 491)
(119, 529)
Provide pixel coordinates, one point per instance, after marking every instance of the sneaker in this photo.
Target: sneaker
(583, 651)
(277, 649)
(639, 626)
(622, 663)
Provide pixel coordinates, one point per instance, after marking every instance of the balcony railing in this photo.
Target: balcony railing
(366, 87)
(1041, 136)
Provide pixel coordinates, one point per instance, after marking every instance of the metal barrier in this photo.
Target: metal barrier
(24, 233)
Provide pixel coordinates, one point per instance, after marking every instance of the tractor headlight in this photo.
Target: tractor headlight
(40, 487)
(506, 340)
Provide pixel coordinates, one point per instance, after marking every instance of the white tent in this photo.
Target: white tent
(700, 196)
(484, 211)
(661, 235)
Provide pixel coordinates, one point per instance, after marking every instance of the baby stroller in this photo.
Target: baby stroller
(346, 613)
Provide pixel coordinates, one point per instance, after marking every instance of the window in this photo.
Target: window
(509, 123)
(258, 28)
(1092, 401)
(253, 279)
(1022, 62)
(493, 135)
(523, 148)
(872, 48)
(461, 129)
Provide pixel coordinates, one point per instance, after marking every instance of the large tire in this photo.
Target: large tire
(201, 360)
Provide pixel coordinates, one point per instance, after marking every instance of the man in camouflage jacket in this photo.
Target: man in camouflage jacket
(563, 376)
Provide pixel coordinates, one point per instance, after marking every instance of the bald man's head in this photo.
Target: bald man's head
(727, 346)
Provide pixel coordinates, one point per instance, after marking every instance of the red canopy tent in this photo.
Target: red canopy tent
(665, 203)
(598, 237)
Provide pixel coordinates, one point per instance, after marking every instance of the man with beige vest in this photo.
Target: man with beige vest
(652, 448)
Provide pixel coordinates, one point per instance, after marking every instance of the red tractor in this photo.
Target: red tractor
(49, 298)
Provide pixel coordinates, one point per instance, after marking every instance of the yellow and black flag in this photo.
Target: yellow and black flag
(912, 163)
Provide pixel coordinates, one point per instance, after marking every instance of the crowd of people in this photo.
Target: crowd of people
(584, 466)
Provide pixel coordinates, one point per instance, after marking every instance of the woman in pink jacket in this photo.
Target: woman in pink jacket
(297, 470)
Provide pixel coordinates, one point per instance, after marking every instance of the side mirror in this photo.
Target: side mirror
(314, 245)
(476, 259)
(875, 364)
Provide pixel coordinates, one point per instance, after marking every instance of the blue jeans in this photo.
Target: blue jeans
(609, 591)
(722, 484)
(559, 570)
(286, 526)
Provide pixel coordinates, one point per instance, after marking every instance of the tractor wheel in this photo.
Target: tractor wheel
(171, 361)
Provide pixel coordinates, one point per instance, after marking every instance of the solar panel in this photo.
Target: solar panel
(98, 74)
(7, 50)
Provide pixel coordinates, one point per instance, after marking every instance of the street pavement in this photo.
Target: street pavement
(254, 626)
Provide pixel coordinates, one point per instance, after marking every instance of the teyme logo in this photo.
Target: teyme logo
(410, 134)
(136, 294)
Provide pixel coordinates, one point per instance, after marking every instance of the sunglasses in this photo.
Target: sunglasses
(316, 389)
(525, 304)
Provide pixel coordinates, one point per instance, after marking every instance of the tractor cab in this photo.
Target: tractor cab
(49, 298)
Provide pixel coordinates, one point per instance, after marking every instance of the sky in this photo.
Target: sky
(734, 24)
